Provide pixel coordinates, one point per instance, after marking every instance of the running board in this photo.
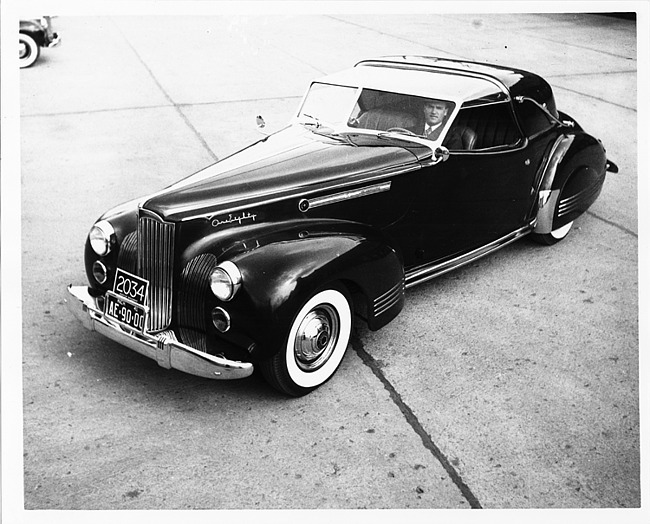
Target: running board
(421, 274)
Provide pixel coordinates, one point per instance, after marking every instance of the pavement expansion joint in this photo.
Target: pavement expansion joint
(413, 421)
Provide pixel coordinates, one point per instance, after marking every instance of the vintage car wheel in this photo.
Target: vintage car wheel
(554, 236)
(28, 50)
(315, 346)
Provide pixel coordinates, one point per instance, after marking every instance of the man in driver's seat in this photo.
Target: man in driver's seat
(435, 113)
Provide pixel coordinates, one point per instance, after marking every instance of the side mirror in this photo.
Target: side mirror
(441, 153)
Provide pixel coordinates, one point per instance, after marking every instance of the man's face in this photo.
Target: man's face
(434, 112)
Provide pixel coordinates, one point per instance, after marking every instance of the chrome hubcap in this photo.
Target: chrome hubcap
(316, 337)
(22, 50)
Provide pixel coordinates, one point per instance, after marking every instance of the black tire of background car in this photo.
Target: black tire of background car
(29, 50)
(329, 313)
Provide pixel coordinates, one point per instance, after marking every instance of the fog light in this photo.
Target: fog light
(99, 272)
(221, 319)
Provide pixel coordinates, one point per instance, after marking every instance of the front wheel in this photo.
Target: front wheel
(315, 345)
(28, 50)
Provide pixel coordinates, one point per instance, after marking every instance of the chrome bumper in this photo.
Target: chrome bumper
(164, 349)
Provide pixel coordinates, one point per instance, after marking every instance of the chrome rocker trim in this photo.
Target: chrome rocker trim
(163, 348)
(421, 274)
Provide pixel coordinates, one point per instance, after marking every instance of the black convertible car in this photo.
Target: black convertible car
(389, 174)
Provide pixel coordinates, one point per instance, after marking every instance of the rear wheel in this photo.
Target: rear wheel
(559, 233)
(554, 236)
(315, 346)
(28, 50)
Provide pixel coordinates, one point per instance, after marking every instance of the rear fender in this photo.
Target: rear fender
(571, 182)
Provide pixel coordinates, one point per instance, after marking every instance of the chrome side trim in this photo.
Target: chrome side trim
(547, 202)
(163, 348)
(560, 147)
(547, 198)
(427, 272)
(573, 203)
(308, 203)
(301, 192)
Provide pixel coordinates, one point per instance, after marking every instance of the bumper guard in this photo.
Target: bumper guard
(161, 347)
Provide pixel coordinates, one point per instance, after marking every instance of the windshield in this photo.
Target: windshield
(328, 103)
(376, 110)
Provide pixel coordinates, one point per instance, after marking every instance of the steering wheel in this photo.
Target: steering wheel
(401, 130)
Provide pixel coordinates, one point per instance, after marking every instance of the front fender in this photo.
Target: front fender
(279, 277)
(33, 29)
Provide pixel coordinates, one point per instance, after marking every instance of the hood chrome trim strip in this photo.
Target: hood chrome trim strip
(302, 192)
(306, 204)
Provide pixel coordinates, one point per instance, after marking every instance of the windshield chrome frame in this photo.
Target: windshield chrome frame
(346, 129)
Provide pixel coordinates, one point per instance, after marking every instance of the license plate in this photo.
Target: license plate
(132, 287)
(127, 313)
(127, 303)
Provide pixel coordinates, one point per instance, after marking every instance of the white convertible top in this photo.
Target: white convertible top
(445, 85)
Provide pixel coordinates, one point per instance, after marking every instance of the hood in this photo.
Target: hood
(290, 162)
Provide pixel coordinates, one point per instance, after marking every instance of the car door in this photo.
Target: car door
(476, 196)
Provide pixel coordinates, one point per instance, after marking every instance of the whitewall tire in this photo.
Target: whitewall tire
(28, 50)
(315, 345)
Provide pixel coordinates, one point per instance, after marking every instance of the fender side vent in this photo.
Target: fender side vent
(386, 301)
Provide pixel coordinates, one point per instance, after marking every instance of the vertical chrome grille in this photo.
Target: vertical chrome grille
(155, 263)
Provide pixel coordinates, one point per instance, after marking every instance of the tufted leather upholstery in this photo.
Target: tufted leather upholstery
(492, 128)
(382, 119)
(468, 137)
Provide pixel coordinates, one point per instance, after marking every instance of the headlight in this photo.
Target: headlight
(101, 237)
(225, 280)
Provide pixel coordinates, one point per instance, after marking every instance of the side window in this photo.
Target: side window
(532, 118)
(483, 127)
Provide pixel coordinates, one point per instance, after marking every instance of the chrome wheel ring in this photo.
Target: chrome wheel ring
(316, 337)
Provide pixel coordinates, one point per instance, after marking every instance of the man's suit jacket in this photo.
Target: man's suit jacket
(453, 139)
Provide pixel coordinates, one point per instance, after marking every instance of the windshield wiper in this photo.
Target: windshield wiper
(399, 131)
(328, 130)
(316, 123)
